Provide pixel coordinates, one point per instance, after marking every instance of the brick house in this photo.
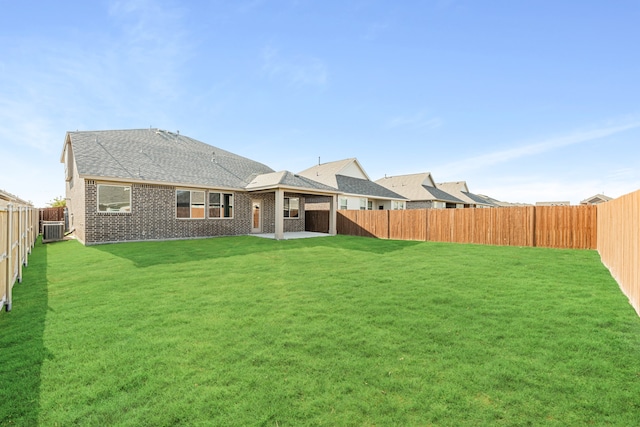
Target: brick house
(151, 184)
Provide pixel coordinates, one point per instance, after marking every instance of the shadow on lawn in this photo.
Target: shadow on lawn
(147, 254)
(22, 344)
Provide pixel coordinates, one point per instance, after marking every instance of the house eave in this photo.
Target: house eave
(371, 196)
(165, 183)
(269, 188)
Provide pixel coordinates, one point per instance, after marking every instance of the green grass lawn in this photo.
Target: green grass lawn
(334, 331)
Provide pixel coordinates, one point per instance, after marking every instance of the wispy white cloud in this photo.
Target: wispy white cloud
(420, 120)
(503, 156)
(126, 73)
(73, 82)
(153, 45)
(297, 70)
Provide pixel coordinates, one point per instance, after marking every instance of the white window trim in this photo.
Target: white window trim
(340, 205)
(98, 185)
(291, 217)
(221, 193)
(191, 190)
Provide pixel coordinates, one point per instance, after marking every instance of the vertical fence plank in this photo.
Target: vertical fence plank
(4, 262)
(545, 226)
(618, 237)
(18, 232)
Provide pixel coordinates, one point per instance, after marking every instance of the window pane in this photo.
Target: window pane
(294, 207)
(197, 204)
(214, 205)
(114, 198)
(197, 211)
(197, 197)
(183, 199)
(228, 205)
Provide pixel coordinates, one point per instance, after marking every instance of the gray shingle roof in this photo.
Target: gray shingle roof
(440, 195)
(364, 187)
(479, 199)
(160, 156)
(287, 179)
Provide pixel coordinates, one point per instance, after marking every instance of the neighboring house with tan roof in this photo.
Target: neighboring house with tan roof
(421, 191)
(595, 200)
(500, 203)
(151, 184)
(460, 190)
(358, 192)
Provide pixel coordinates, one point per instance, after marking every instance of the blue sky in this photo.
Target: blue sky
(525, 100)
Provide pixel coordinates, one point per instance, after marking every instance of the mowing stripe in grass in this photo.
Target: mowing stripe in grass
(331, 331)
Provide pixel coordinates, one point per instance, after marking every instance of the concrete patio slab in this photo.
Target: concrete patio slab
(293, 235)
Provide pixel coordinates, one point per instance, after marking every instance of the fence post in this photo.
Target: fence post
(9, 256)
(21, 257)
(533, 226)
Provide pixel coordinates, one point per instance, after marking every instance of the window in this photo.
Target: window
(369, 205)
(342, 204)
(220, 205)
(291, 207)
(363, 204)
(114, 198)
(189, 204)
(396, 205)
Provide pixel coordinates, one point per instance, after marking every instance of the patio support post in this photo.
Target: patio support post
(333, 214)
(279, 225)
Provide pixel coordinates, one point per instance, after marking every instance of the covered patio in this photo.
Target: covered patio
(280, 182)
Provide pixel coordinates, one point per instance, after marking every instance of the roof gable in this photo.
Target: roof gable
(417, 187)
(594, 200)
(326, 172)
(460, 190)
(288, 180)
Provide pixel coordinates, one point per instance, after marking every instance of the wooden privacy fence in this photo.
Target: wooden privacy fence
(545, 226)
(18, 233)
(316, 221)
(51, 214)
(619, 243)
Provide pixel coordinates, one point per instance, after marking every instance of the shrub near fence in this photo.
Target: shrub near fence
(619, 243)
(545, 226)
(18, 233)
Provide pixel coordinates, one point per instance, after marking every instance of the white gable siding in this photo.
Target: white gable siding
(353, 171)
